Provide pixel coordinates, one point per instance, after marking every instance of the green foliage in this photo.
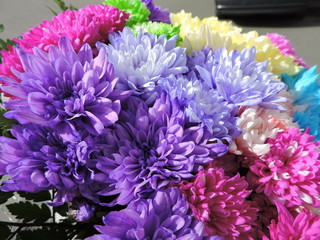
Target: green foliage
(5, 196)
(28, 212)
(137, 9)
(5, 123)
(36, 197)
(62, 5)
(5, 43)
(4, 231)
(47, 233)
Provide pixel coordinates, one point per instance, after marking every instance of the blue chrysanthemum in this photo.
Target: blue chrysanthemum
(65, 89)
(141, 61)
(238, 78)
(305, 89)
(203, 105)
(165, 215)
(156, 13)
(153, 147)
(39, 159)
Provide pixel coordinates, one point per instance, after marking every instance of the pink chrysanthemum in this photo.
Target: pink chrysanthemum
(257, 125)
(305, 226)
(285, 47)
(220, 202)
(290, 172)
(87, 25)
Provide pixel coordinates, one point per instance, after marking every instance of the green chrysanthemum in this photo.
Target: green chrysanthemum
(158, 28)
(136, 8)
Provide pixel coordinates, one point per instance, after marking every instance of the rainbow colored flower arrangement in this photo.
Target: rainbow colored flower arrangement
(145, 125)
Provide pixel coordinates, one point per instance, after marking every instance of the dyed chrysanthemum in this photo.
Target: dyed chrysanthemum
(87, 25)
(141, 61)
(154, 147)
(136, 8)
(203, 105)
(237, 77)
(257, 125)
(156, 13)
(305, 225)
(39, 159)
(286, 48)
(211, 32)
(65, 89)
(165, 215)
(290, 172)
(158, 28)
(220, 202)
(305, 89)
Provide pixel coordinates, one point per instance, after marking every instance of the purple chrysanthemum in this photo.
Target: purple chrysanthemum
(65, 89)
(154, 147)
(156, 13)
(141, 61)
(238, 78)
(39, 159)
(166, 215)
(203, 105)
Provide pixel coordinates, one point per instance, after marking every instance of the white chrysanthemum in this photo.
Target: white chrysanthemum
(258, 124)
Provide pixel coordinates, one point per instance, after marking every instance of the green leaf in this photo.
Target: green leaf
(29, 212)
(4, 231)
(4, 196)
(5, 123)
(47, 233)
(1, 28)
(62, 210)
(36, 197)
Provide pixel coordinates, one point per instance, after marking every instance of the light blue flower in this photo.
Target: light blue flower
(203, 105)
(141, 61)
(237, 77)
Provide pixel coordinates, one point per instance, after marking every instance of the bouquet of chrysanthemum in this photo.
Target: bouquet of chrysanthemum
(133, 124)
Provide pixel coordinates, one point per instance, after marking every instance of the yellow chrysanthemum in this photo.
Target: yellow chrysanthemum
(197, 33)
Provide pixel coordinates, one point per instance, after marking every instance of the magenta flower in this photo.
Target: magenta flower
(220, 202)
(305, 226)
(290, 172)
(285, 47)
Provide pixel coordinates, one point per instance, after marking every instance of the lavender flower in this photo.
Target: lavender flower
(153, 147)
(166, 215)
(39, 159)
(156, 13)
(238, 78)
(203, 105)
(65, 89)
(140, 62)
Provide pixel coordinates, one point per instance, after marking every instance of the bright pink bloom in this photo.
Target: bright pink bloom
(305, 226)
(285, 47)
(220, 202)
(290, 172)
(87, 25)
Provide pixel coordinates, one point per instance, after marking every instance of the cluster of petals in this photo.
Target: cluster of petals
(285, 46)
(141, 61)
(65, 89)
(153, 147)
(290, 171)
(87, 25)
(257, 125)
(237, 77)
(220, 202)
(305, 91)
(215, 34)
(165, 215)
(305, 225)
